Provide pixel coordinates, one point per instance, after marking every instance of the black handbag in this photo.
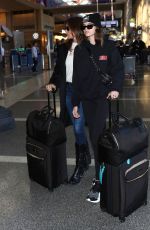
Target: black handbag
(123, 139)
(45, 127)
(106, 79)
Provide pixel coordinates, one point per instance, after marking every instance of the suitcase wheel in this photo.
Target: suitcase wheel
(103, 209)
(66, 181)
(122, 219)
(145, 202)
(50, 189)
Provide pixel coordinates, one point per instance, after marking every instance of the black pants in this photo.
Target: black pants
(35, 63)
(2, 79)
(95, 113)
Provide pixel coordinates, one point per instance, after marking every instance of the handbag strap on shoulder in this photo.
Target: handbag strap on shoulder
(97, 67)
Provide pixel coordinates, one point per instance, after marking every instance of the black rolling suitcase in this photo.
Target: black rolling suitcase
(124, 187)
(122, 140)
(46, 147)
(43, 125)
(46, 164)
(123, 175)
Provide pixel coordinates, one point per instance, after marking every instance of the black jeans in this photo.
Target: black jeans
(2, 79)
(95, 112)
(35, 63)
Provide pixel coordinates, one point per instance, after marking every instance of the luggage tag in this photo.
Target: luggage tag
(101, 172)
(129, 161)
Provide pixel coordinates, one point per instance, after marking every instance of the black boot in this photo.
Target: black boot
(88, 156)
(81, 164)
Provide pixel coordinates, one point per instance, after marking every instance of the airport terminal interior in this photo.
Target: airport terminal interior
(25, 204)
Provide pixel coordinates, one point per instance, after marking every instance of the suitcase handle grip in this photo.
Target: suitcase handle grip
(116, 121)
(54, 101)
(110, 112)
(114, 116)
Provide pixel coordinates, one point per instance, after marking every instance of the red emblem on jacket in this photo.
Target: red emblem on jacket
(103, 58)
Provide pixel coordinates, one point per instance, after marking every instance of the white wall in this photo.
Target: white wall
(143, 19)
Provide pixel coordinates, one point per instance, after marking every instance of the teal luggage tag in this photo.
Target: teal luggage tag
(129, 161)
(101, 172)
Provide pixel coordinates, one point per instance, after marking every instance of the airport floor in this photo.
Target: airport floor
(26, 205)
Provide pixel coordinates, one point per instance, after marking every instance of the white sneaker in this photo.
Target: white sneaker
(94, 194)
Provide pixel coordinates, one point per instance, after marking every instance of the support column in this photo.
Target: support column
(127, 15)
(9, 20)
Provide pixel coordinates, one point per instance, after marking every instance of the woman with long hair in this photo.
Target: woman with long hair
(89, 89)
(62, 79)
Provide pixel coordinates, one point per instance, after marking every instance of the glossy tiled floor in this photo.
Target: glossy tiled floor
(25, 205)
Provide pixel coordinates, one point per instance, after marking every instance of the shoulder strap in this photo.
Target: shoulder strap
(97, 67)
(105, 78)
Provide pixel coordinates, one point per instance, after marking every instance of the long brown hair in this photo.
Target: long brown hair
(74, 24)
(99, 37)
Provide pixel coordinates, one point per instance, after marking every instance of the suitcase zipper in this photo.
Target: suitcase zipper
(28, 143)
(49, 127)
(134, 166)
(115, 139)
(128, 181)
(39, 158)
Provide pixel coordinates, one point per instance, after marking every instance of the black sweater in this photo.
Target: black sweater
(86, 81)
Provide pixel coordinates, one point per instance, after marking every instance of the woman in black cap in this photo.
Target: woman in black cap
(89, 89)
(62, 79)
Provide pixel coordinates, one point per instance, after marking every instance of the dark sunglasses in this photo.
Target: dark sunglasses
(67, 28)
(89, 27)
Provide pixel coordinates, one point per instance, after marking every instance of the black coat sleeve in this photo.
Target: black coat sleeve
(80, 72)
(56, 75)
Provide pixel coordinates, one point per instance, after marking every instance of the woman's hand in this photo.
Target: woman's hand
(51, 87)
(113, 95)
(75, 112)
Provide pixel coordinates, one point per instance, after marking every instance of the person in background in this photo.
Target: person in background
(89, 90)
(137, 47)
(120, 47)
(2, 65)
(56, 45)
(62, 79)
(3, 56)
(128, 46)
(35, 53)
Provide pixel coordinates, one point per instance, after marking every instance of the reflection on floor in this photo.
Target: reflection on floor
(25, 205)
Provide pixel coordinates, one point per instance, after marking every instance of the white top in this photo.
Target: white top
(34, 52)
(69, 63)
(2, 51)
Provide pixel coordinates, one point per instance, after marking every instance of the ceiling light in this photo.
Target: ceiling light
(63, 31)
(82, 15)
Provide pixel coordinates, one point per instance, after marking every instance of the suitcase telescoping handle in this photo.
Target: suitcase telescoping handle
(115, 116)
(54, 102)
(111, 113)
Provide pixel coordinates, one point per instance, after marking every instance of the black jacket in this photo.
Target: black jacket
(138, 45)
(86, 81)
(59, 79)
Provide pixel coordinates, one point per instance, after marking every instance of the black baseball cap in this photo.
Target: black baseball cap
(93, 18)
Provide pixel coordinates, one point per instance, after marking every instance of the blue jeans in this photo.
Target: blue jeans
(78, 124)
